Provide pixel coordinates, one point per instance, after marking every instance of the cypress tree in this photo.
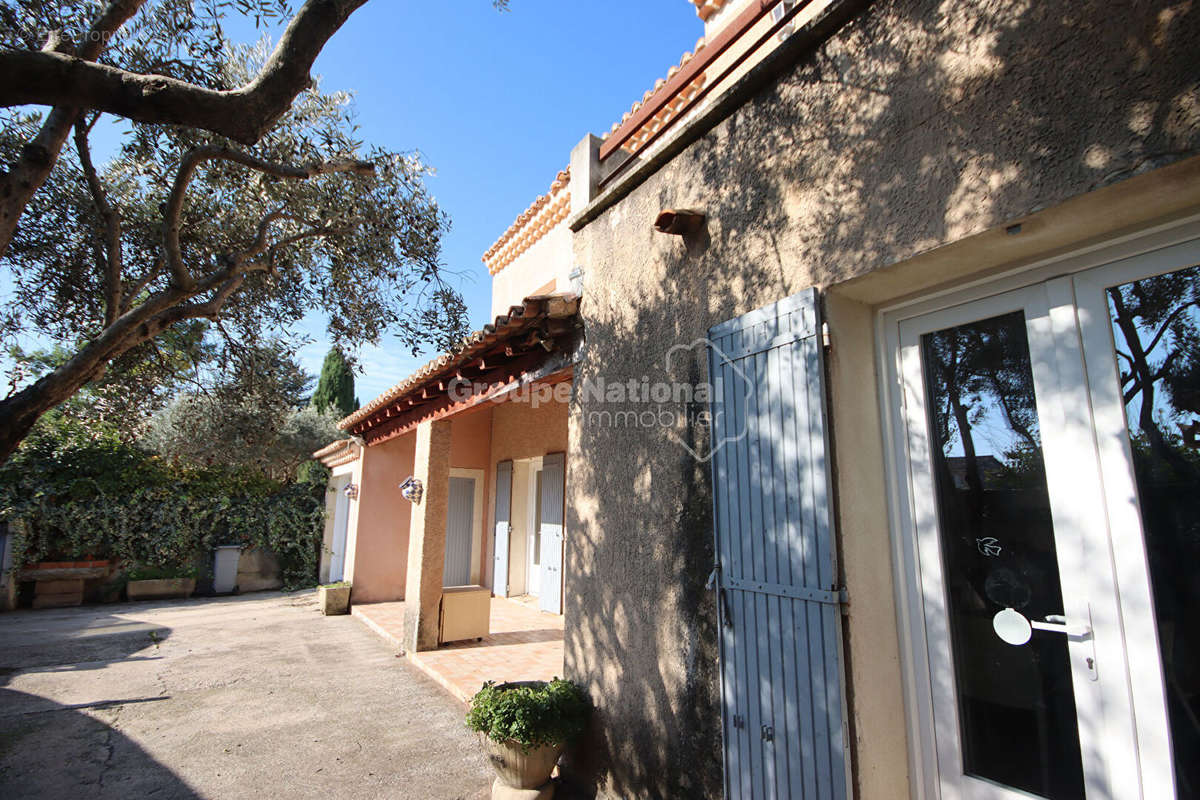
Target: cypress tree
(335, 390)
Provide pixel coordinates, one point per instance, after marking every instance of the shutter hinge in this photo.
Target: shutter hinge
(713, 578)
(714, 582)
(768, 733)
(826, 339)
(739, 721)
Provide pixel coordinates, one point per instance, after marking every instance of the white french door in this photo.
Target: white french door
(341, 525)
(1050, 508)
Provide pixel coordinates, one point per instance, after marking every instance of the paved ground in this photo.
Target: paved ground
(524, 644)
(256, 697)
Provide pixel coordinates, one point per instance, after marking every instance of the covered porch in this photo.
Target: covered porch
(460, 493)
(523, 644)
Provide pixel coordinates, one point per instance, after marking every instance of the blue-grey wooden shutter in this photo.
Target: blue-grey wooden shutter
(779, 601)
(554, 468)
(504, 474)
(460, 525)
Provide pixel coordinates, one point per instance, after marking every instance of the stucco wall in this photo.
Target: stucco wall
(918, 124)
(548, 259)
(377, 559)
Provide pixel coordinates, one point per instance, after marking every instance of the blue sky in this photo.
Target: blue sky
(494, 102)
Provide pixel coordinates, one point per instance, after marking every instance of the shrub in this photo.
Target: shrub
(531, 714)
(68, 496)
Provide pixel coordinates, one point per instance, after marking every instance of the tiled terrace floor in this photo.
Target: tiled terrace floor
(524, 644)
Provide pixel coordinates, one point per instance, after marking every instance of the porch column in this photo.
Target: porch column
(427, 536)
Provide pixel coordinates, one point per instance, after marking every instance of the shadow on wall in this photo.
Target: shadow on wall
(917, 124)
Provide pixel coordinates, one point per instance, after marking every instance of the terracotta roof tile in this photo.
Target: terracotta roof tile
(553, 306)
(535, 222)
(552, 208)
(706, 8)
(341, 451)
(664, 116)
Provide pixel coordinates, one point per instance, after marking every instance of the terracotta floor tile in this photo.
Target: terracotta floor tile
(524, 643)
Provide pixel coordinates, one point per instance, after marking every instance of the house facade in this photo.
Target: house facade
(879, 440)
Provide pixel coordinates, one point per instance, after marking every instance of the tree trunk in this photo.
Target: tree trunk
(20, 411)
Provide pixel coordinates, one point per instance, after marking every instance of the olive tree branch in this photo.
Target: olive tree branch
(111, 249)
(19, 183)
(243, 114)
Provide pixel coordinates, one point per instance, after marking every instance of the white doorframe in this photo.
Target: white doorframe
(476, 518)
(915, 666)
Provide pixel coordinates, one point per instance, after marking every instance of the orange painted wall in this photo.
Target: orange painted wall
(470, 448)
(471, 438)
(380, 554)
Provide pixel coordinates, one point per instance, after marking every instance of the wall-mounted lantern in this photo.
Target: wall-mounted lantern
(351, 491)
(411, 490)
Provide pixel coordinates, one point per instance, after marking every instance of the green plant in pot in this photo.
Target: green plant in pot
(160, 582)
(525, 726)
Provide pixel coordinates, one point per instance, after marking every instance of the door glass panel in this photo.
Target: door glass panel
(1156, 329)
(1016, 704)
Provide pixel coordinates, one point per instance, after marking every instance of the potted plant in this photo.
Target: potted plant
(334, 598)
(525, 726)
(160, 583)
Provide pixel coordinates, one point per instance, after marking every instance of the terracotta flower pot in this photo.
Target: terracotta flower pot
(522, 770)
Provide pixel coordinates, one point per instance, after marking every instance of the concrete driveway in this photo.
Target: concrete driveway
(246, 697)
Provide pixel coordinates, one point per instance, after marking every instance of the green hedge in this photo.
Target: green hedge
(67, 496)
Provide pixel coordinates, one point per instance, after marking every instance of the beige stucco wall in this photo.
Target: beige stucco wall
(377, 550)
(547, 261)
(889, 161)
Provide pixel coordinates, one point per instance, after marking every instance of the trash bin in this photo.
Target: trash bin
(225, 568)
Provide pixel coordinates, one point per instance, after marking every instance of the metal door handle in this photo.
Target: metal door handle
(1057, 623)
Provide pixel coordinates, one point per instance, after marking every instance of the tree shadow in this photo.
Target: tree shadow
(52, 751)
(40, 651)
(915, 125)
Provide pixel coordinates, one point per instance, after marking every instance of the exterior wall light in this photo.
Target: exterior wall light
(351, 491)
(411, 490)
(679, 222)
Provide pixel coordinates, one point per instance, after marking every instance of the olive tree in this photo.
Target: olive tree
(255, 415)
(240, 196)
